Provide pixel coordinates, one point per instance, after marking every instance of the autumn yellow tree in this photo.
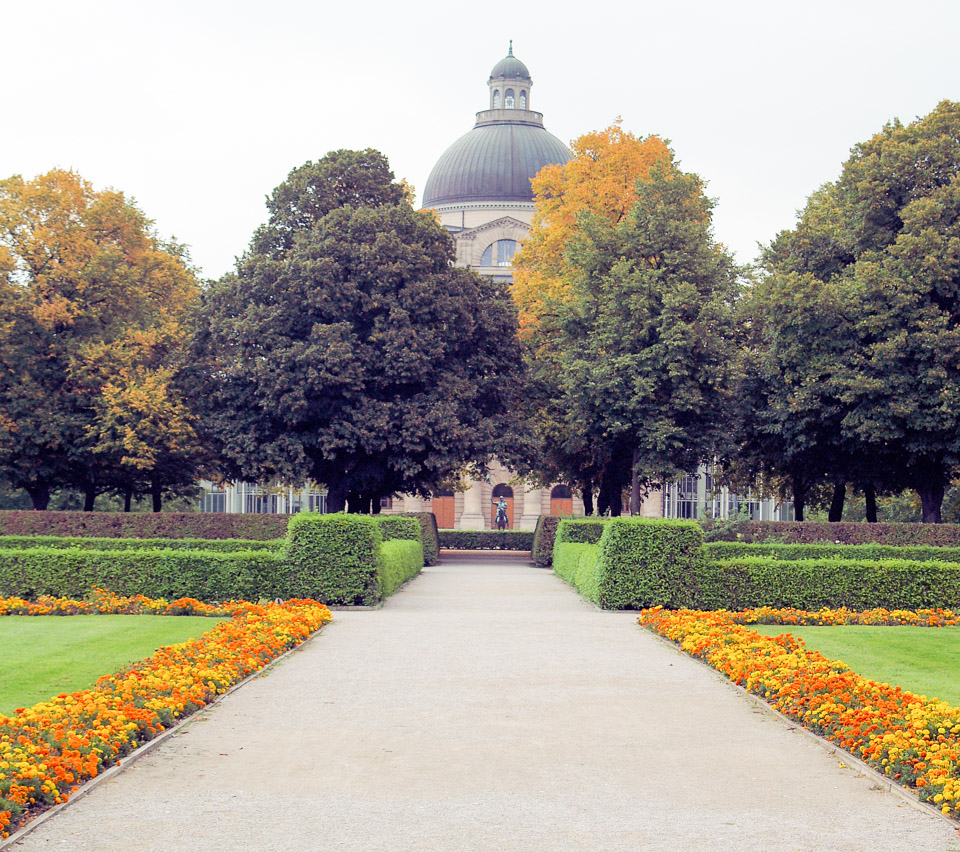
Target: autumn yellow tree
(96, 312)
(600, 179)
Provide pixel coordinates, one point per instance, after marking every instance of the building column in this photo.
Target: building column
(472, 517)
(412, 503)
(531, 509)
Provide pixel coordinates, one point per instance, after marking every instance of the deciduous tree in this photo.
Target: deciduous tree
(348, 350)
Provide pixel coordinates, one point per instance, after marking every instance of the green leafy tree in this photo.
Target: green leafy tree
(866, 389)
(347, 349)
(643, 339)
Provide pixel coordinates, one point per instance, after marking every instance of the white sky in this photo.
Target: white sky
(198, 109)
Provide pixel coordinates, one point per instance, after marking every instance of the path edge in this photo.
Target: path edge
(89, 786)
(831, 748)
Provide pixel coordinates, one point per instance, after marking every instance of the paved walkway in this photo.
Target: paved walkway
(488, 707)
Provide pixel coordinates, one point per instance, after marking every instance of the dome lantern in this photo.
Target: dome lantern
(510, 83)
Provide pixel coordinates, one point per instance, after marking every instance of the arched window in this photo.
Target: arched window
(499, 253)
(496, 99)
(561, 492)
(506, 249)
(523, 100)
(508, 99)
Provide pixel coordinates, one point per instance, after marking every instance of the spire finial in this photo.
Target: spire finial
(510, 51)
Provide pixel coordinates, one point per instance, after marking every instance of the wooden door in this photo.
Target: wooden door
(561, 501)
(443, 510)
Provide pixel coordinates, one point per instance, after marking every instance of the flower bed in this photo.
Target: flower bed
(50, 748)
(913, 740)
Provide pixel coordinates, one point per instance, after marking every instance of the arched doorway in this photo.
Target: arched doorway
(506, 492)
(561, 501)
(444, 509)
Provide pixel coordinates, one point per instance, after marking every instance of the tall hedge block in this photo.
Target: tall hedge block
(643, 561)
(543, 540)
(581, 530)
(335, 559)
(429, 535)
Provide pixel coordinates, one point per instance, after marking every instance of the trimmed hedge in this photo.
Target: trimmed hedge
(396, 527)
(814, 583)
(638, 562)
(209, 576)
(143, 525)
(335, 558)
(222, 545)
(788, 552)
(402, 560)
(808, 532)
(342, 559)
(429, 535)
(486, 539)
(543, 538)
(581, 530)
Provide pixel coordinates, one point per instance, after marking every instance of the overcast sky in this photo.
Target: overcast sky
(198, 109)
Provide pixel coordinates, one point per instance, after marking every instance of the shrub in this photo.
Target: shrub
(397, 527)
(543, 537)
(788, 552)
(208, 576)
(581, 530)
(429, 535)
(335, 558)
(577, 564)
(143, 525)
(222, 545)
(816, 583)
(639, 562)
(807, 532)
(402, 559)
(486, 539)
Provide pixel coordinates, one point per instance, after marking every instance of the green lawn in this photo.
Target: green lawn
(924, 660)
(42, 656)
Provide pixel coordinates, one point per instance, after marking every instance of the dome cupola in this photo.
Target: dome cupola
(506, 148)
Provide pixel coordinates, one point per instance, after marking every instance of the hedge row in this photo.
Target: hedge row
(815, 583)
(221, 545)
(543, 539)
(808, 532)
(637, 562)
(429, 535)
(486, 539)
(864, 552)
(144, 525)
(208, 576)
(341, 559)
(581, 530)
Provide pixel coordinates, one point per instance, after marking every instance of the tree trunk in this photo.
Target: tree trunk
(635, 496)
(127, 499)
(870, 497)
(156, 492)
(39, 494)
(836, 504)
(586, 492)
(89, 498)
(603, 498)
(799, 498)
(336, 500)
(375, 505)
(930, 483)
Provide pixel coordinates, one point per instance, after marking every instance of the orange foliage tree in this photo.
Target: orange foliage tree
(96, 312)
(600, 179)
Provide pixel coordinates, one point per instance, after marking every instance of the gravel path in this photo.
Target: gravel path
(488, 707)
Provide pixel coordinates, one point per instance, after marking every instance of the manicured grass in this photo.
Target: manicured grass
(42, 656)
(923, 660)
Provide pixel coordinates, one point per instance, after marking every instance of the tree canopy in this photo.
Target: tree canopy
(347, 349)
(869, 383)
(95, 316)
(633, 334)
